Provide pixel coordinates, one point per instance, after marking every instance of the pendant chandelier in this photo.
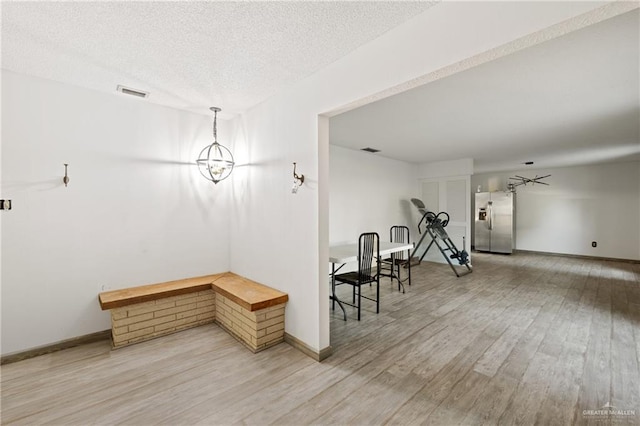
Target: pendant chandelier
(215, 162)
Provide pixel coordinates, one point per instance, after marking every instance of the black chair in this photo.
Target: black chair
(398, 260)
(368, 250)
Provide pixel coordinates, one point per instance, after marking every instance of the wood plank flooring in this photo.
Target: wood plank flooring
(524, 339)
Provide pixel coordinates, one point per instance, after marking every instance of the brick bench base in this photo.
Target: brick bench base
(144, 321)
(258, 329)
(251, 312)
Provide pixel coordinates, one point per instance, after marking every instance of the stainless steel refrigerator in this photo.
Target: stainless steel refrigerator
(494, 222)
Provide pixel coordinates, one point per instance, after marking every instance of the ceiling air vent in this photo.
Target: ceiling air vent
(132, 92)
(370, 149)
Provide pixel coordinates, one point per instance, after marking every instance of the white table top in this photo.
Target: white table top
(346, 253)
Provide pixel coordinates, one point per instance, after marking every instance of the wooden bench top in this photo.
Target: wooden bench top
(145, 293)
(249, 294)
(246, 293)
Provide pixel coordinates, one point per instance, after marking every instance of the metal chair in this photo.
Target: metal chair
(398, 260)
(368, 250)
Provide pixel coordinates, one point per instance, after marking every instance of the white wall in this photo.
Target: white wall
(136, 210)
(369, 193)
(282, 240)
(131, 215)
(581, 204)
(438, 169)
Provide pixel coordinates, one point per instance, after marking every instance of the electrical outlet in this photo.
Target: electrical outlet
(594, 244)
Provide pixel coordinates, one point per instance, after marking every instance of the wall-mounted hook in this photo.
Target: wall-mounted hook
(298, 180)
(65, 179)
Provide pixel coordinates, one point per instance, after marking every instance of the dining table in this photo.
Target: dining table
(342, 254)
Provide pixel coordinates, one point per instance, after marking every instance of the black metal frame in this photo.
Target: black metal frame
(434, 227)
(368, 250)
(398, 234)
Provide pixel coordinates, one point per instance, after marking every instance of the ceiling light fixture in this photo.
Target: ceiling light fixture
(215, 161)
(524, 181)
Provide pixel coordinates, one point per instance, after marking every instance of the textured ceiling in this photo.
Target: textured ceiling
(190, 55)
(568, 101)
(571, 100)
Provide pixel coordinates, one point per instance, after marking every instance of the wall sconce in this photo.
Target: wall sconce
(215, 161)
(297, 180)
(65, 179)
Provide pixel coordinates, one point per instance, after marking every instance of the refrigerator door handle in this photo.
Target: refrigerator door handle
(490, 216)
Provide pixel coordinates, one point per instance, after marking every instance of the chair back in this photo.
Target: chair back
(399, 234)
(368, 248)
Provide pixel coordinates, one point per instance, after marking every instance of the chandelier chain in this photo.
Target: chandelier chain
(215, 127)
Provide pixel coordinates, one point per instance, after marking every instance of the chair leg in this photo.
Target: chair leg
(400, 284)
(378, 295)
(359, 300)
(409, 270)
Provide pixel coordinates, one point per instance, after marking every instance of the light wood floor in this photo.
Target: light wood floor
(524, 339)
